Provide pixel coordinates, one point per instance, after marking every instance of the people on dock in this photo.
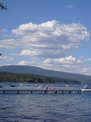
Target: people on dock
(52, 86)
(55, 91)
(43, 87)
(12, 85)
(67, 85)
(48, 88)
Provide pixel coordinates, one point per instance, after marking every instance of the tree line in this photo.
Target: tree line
(14, 77)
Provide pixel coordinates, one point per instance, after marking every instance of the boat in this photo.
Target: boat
(86, 88)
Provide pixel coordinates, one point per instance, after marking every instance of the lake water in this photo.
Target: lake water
(45, 107)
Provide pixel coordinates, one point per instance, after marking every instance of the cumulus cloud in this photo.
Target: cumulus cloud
(32, 63)
(10, 44)
(49, 39)
(64, 62)
(28, 52)
(23, 63)
(67, 64)
(87, 71)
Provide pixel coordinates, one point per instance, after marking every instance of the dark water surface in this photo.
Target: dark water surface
(45, 107)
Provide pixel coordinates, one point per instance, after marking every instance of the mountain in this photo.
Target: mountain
(44, 72)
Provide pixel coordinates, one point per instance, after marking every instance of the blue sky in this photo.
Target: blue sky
(51, 34)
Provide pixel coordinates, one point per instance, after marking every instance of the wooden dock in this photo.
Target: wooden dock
(23, 91)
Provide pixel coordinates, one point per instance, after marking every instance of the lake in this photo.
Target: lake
(45, 107)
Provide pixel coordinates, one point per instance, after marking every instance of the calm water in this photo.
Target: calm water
(45, 107)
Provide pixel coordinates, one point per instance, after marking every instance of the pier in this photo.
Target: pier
(23, 91)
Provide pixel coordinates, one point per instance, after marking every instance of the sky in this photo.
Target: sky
(51, 34)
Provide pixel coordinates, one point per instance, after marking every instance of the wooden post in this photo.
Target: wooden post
(3, 91)
(69, 91)
(73, 90)
(80, 91)
(45, 92)
(62, 91)
(18, 91)
(31, 92)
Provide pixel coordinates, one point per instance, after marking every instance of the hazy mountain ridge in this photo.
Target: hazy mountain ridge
(44, 72)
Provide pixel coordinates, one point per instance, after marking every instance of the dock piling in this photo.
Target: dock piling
(3, 91)
(18, 91)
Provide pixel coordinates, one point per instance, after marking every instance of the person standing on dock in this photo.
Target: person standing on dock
(48, 88)
(52, 87)
(55, 91)
(43, 87)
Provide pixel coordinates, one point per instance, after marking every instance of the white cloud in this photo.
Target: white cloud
(10, 44)
(49, 39)
(87, 71)
(81, 57)
(28, 52)
(23, 63)
(48, 60)
(3, 30)
(6, 58)
(69, 6)
(66, 61)
(87, 59)
(32, 63)
(80, 62)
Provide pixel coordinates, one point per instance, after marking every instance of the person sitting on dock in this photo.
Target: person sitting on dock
(47, 88)
(55, 90)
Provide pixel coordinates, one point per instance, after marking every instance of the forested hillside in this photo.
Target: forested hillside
(15, 77)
